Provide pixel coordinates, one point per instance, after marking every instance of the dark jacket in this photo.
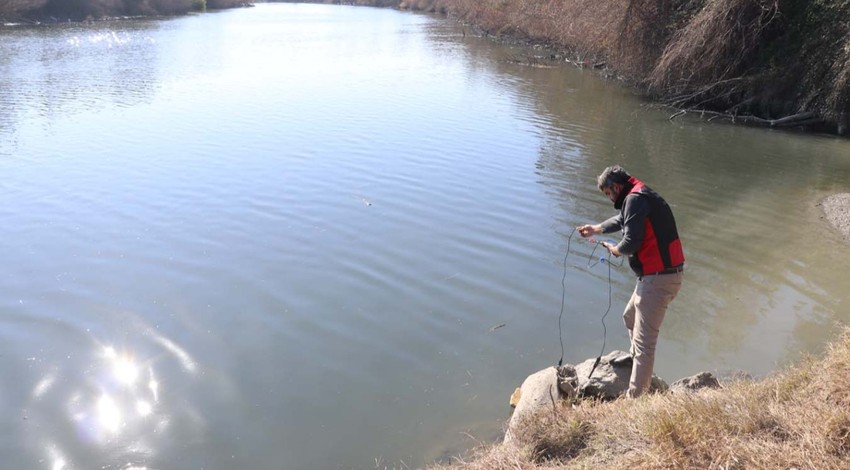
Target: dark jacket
(650, 238)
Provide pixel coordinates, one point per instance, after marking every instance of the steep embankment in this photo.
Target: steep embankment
(81, 9)
(799, 418)
(781, 63)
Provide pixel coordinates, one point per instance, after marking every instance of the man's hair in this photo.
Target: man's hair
(611, 175)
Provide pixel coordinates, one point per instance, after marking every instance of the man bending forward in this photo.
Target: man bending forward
(651, 242)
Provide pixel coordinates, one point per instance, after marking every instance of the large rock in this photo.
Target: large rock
(695, 382)
(539, 390)
(610, 379)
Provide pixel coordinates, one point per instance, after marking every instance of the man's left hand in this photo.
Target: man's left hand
(611, 248)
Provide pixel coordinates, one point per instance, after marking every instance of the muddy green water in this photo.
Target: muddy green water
(279, 237)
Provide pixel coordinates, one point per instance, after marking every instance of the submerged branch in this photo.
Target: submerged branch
(794, 120)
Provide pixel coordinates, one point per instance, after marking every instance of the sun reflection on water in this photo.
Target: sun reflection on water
(153, 385)
(108, 414)
(57, 461)
(124, 398)
(144, 408)
(118, 407)
(124, 368)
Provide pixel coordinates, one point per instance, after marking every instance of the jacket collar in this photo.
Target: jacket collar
(627, 188)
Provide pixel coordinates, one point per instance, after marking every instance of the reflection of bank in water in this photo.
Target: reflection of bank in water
(123, 75)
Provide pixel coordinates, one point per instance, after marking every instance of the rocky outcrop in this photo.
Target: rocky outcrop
(609, 381)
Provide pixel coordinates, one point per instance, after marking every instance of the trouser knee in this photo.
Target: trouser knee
(643, 346)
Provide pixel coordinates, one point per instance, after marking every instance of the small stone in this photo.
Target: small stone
(695, 382)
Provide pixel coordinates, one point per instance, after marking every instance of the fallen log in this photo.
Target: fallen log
(800, 119)
(793, 119)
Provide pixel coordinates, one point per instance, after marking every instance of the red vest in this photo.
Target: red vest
(661, 249)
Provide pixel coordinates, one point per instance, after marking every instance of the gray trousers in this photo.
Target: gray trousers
(643, 316)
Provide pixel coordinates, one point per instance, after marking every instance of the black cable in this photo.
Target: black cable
(563, 296)
(604, 328)
(601, 260)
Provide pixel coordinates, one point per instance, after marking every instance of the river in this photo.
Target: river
(312, 236)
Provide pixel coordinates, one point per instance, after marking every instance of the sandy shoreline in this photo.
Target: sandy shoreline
(837, 211)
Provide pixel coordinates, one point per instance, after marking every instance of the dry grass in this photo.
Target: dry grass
(799, 418)
(16, 7)
(623, 31)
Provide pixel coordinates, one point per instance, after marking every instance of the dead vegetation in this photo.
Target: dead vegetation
(780, 63)
(710, 53)
(799, 418)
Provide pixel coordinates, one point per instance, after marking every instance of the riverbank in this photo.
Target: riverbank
(775, 63)
(53, 11)
(772, 63)
(796, 418)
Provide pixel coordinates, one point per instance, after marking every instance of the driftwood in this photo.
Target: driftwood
(795, 120)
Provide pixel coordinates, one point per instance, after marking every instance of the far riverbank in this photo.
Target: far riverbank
(55, 11)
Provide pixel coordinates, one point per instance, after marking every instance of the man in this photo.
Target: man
(651, 242)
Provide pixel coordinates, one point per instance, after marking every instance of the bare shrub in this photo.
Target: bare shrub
(83, 8)
(224, 3)
(11, 8)
(170, 7)
(715, 46)
(821, 57)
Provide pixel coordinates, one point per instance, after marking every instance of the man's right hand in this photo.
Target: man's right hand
(589, 230)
